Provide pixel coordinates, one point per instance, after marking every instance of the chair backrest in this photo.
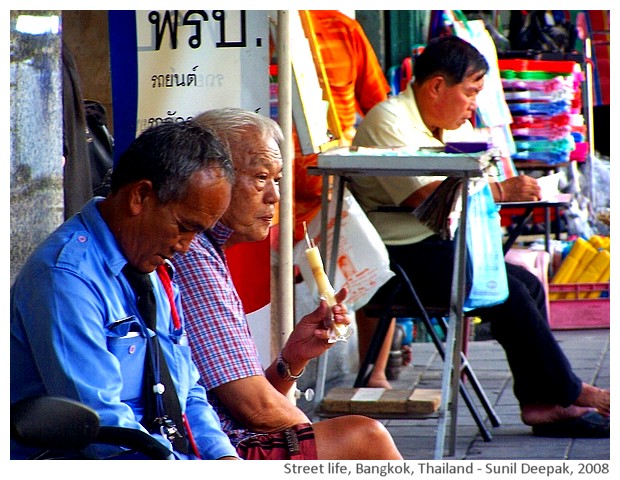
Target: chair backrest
(398, 298)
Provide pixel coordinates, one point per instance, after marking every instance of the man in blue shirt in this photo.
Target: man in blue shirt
(76, 328)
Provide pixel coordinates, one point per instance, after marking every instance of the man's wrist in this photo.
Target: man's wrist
(284, 369)
(500, 192)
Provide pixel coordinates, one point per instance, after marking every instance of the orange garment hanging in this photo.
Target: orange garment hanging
(357, 83)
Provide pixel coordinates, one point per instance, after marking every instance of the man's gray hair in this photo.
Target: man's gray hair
(231, 125)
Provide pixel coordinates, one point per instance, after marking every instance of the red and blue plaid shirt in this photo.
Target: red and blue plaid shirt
(219, 335)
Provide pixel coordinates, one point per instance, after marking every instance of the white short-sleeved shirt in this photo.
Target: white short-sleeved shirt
(396, 122)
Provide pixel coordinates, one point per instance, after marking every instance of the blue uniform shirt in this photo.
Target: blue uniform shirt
(75, 332)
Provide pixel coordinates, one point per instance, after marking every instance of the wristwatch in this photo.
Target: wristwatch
(284, 369)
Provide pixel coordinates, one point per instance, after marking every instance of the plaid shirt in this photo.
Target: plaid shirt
(222, 346)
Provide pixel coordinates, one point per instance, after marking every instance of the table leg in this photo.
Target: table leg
(452, 363)
(321, 369)
(321, 373)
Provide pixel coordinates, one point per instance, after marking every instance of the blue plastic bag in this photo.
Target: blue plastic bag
(486, 265)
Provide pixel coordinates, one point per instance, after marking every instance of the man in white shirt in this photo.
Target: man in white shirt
(434, 109)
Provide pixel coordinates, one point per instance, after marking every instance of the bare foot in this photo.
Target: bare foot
(595, 397)
(407, 355)
(378, 380)
(536, 414)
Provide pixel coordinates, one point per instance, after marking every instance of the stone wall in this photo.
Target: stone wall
(36, 175)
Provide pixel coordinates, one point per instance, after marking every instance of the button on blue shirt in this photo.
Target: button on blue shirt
(76, 332)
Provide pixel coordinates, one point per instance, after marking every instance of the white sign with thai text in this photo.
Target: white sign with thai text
(195, 60)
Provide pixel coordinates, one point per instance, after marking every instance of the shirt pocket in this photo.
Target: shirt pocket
(185, 375)
(127, 342)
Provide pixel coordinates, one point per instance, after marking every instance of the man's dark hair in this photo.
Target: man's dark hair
(451, 57)
(167, 155)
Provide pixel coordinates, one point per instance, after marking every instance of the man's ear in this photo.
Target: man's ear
(139, 193)
(434, 85)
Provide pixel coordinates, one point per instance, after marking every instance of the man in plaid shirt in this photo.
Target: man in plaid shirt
(252, 404)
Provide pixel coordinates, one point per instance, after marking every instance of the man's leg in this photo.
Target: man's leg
(544, 382)
(541, 371)
(354, 437)
(366, 328)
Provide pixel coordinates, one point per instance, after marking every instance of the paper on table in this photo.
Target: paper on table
(549, 185)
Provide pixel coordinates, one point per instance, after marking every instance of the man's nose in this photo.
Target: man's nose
(182, 245)
(272, 193)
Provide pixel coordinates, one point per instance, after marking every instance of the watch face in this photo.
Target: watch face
(281, 368)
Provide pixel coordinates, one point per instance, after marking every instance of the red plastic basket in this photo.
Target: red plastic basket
(580, 313)
(523, 65)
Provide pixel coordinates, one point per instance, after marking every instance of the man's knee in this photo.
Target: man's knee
(356, 431)
(354, 437)
(372, 429)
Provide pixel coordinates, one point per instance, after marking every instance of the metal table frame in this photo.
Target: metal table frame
(331, 163)
(562, 200)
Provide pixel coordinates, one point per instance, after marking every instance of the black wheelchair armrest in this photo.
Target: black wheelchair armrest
(55, 423)
(135, 440)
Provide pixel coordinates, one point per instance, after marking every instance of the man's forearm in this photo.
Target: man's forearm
(258, 406)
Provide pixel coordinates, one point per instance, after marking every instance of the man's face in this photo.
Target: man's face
(457, 103)
(258, 169)
(160, 231)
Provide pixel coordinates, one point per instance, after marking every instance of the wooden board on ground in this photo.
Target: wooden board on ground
(380, 401)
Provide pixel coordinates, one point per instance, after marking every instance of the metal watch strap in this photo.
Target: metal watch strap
(284, 369)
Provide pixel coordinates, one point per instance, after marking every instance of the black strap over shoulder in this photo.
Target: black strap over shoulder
(162, 409)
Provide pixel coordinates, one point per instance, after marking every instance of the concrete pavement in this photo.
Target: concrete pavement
(588, 351)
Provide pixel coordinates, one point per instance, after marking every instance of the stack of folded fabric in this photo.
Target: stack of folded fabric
(544, 97)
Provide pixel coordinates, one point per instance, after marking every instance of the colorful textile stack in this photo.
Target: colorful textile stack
(544, 97)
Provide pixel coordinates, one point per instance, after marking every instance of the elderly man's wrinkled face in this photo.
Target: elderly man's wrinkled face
(258, 170)
(161, 230)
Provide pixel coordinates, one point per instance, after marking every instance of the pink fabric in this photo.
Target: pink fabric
(535, 261)
(295, 443)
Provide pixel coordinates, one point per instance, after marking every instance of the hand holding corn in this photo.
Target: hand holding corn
(325, 288)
